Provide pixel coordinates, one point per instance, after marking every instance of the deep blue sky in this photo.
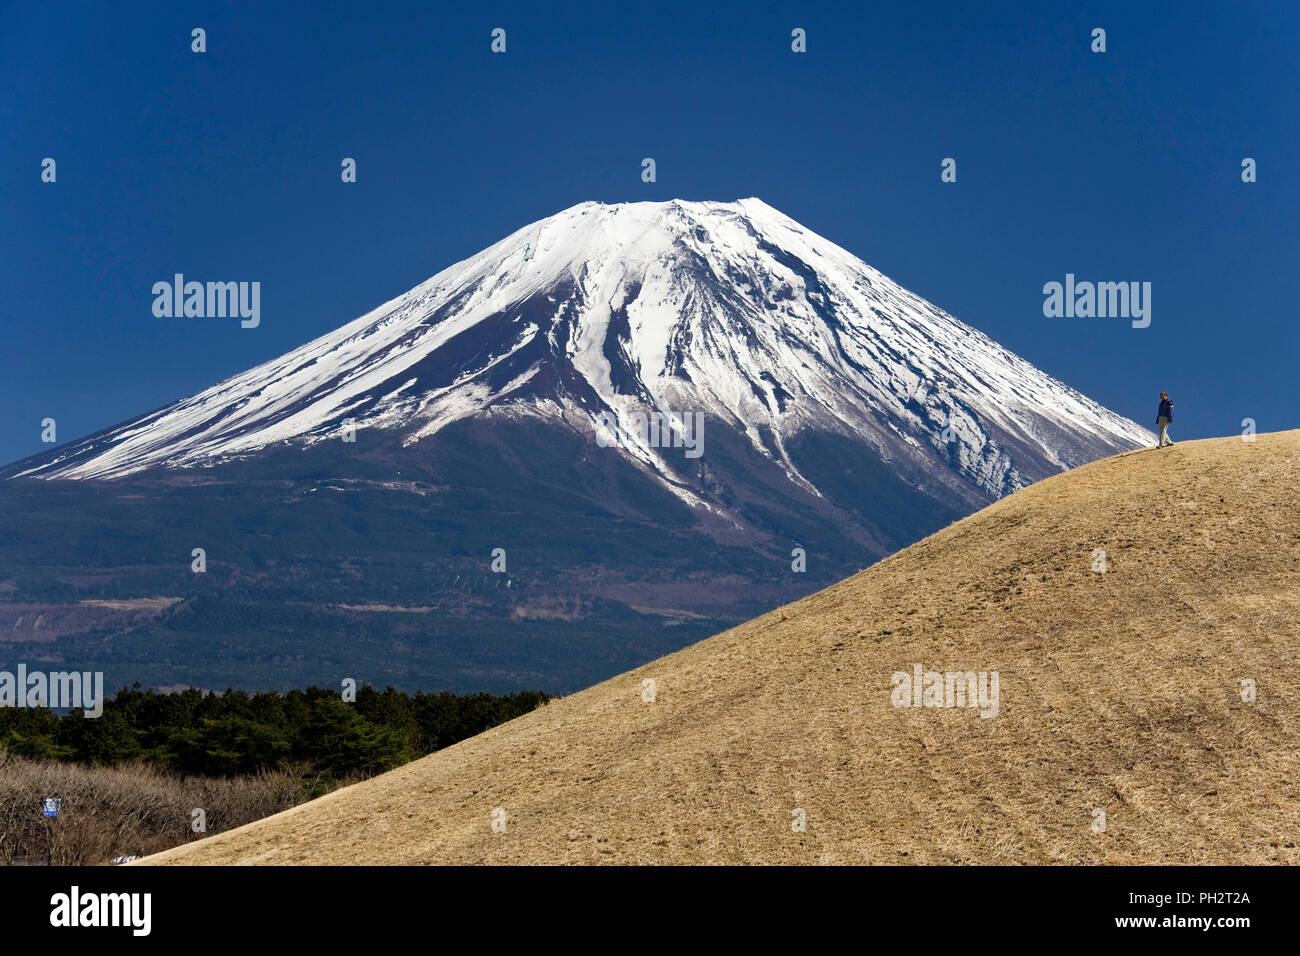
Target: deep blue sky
(225, 165)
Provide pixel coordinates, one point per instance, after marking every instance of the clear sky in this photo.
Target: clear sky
(225, 165)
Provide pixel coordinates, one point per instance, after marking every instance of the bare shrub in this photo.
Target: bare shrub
(128, 810)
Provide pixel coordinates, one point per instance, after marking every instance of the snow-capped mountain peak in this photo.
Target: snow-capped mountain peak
(603, 314)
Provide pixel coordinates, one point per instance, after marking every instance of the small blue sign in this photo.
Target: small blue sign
(51, 807)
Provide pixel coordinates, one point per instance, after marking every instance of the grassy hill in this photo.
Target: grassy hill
(1118, 692)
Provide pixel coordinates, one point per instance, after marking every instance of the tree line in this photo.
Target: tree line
(237, 733)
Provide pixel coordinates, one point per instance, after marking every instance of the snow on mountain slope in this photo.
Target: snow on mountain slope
(731, 310)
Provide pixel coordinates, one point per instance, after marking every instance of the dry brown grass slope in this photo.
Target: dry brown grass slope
(1119, 691)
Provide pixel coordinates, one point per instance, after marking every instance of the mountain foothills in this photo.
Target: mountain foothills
(614, 432)
(1123, 640)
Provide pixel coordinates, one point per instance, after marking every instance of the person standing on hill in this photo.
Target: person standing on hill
(1165, 418)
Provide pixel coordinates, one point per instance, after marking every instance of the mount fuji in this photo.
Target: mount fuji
(350, 494)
